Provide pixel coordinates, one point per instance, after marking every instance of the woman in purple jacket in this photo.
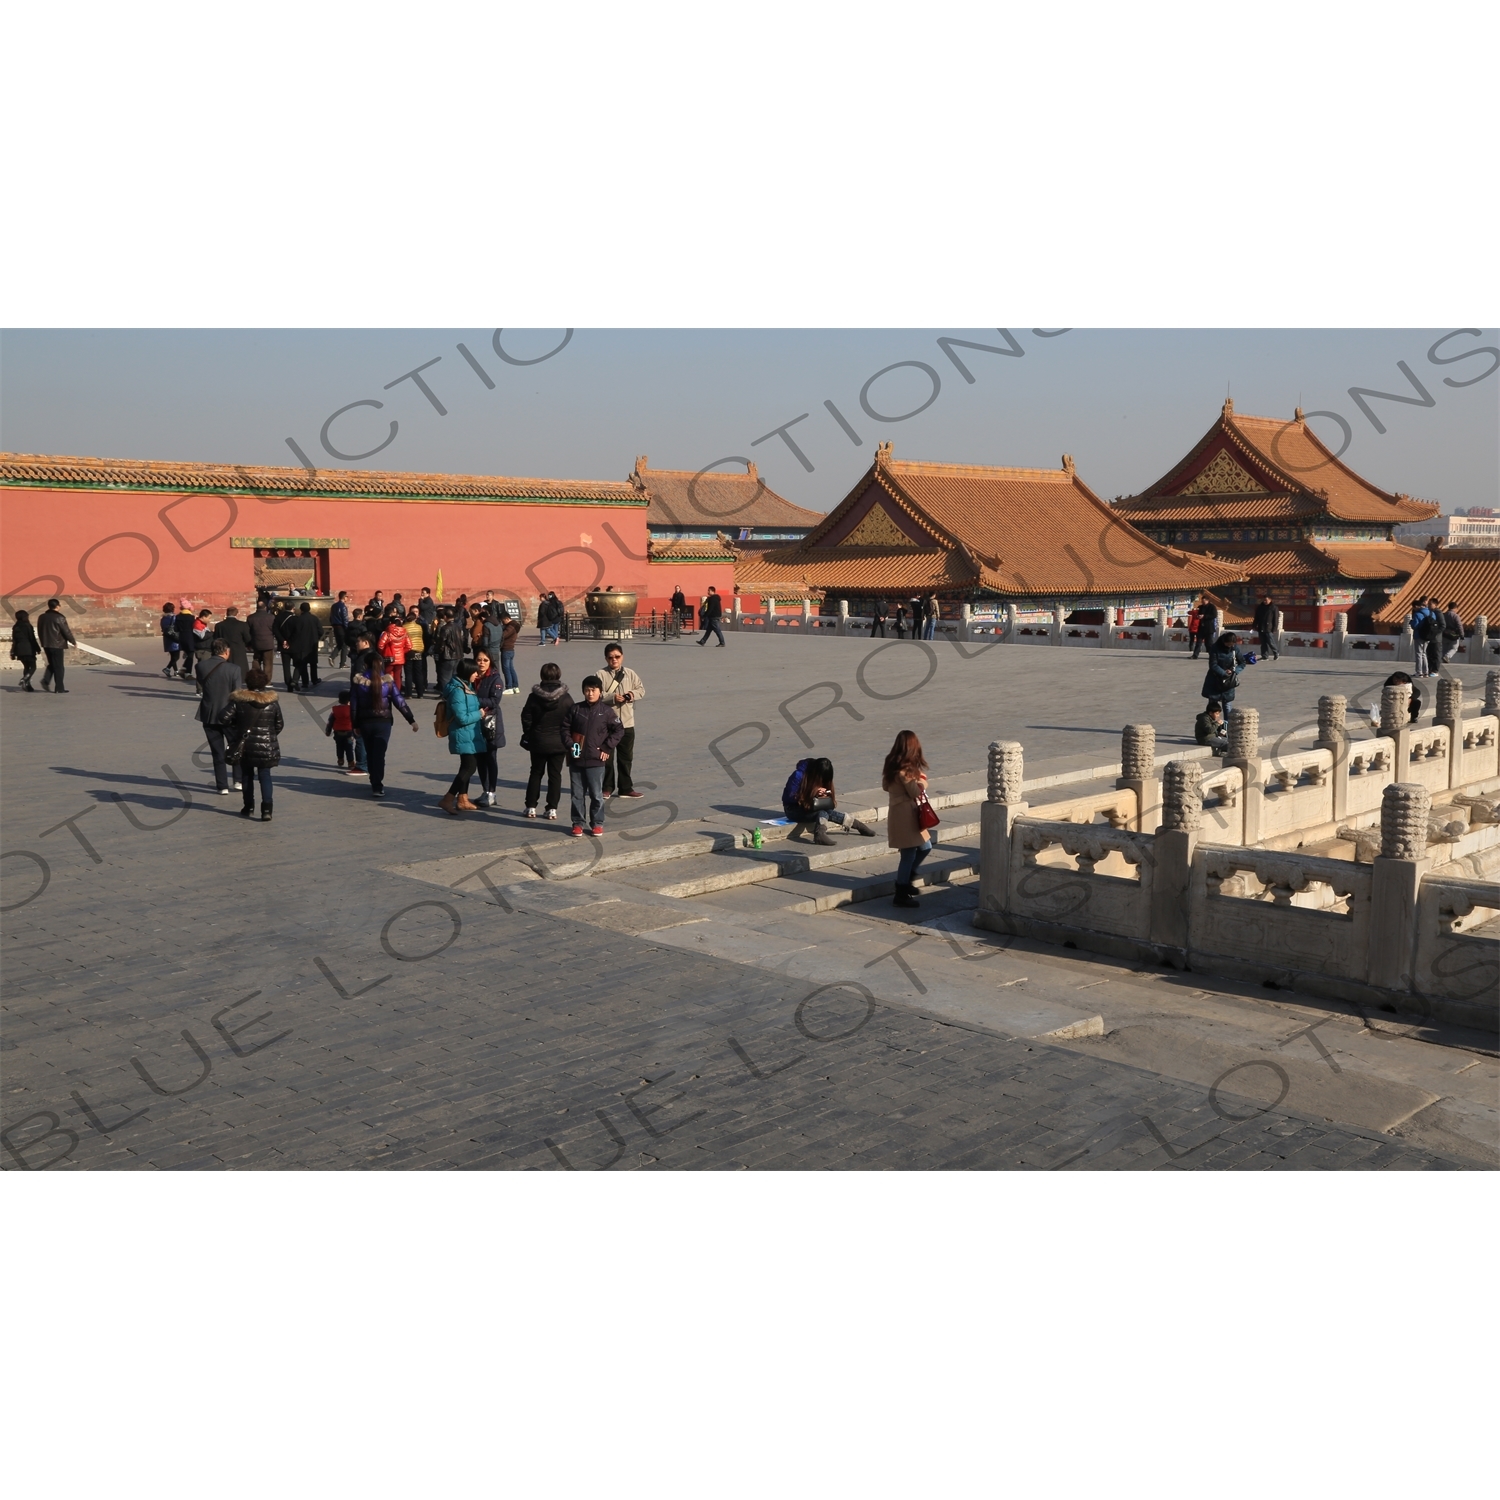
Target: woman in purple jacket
(374, 696)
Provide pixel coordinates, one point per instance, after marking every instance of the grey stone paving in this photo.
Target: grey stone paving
(189, 991)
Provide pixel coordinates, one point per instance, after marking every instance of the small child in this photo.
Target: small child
(341, 726)
(1208, 728)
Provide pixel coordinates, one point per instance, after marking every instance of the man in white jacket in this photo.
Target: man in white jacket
(622, 687)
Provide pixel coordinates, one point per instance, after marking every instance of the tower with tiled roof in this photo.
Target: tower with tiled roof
(972, 533)
(1267, 497)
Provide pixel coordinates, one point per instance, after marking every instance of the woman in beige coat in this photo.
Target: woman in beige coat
(904, 778)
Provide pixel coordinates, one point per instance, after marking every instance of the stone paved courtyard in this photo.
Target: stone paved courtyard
(184, 990)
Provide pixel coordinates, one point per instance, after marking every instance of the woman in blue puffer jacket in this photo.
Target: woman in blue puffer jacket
(465, 735)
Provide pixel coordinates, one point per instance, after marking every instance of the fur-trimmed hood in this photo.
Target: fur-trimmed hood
(550, 690)
(252, 695)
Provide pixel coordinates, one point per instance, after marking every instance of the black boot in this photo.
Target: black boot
(248, 810)
(906, 895)
(265, 812)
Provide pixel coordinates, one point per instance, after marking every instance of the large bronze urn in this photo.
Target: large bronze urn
(609, 608)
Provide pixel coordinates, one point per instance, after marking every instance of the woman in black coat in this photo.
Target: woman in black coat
(489, 688)
(24, 648)
(543, 732)
(255, 731)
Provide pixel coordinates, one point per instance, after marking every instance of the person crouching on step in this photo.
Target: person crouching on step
(808, 800)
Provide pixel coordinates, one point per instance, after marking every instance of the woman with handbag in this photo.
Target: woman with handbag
(465, 736)
(489, 688)
(254, 732)
(910, 815)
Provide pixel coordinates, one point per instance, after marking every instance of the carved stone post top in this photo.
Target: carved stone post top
(844, 608)
(1450, 700)
(1491, 690)
(1182, 795)
(1332, 708)
(1403, 820)
(1395, 707)
(1138, 752)
(1244, 734)
(1005, 771)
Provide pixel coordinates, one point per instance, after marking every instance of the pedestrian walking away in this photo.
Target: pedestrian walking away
(338, 619)
(173, 647)
(544, 720)
(489, 688)
(623, 688)
(186, 623)
(1225, 661)
(24, 648)
(594, 729)
(55, 635)
(376, 700)
(877, 619)
(262, 623)
(235, 633)
(1207, 631)
(282, 624)
(934, 612)
(219, 679)
(465, 734)
(1433, 637)
(256, 729)
(416, 656)
(808, 800)
(341, 726)
(1265, 627)
(304, 635)
(904, 779)
(709, 616)
(394, 644)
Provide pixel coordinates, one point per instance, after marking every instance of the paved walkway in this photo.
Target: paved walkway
(183, 989)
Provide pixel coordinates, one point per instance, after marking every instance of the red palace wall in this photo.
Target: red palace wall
(114, 556)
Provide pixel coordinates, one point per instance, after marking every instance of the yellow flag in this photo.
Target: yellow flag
(438, 591)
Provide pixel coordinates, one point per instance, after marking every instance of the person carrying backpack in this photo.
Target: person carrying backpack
(808, 798)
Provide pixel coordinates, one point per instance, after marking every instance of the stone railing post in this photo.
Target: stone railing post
(997, 818)
(1010, 624)
(1138, 772)
(1476, 641)
(1059, 616)
(965, 622)
(1279, 633)
(1492, 691)
(1338, 642)
(1159, 630)
(1450, 713)
(1332, 735)
(1176, 843)
(1395, 722)
(736, 614)
(843, 625)
(1407, 650)
(1111, 622)
(768, 615)
(807, 612)
(1395, 881)
(1244, 751)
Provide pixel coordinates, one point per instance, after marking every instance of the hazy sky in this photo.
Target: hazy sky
(1126, 403)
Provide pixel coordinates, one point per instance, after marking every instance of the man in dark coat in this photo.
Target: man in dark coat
(1208, 628)
(236, 633)
(708, 618)
(218, 677)
(303, 634)
(55, 635)
(1265, 626)
(262, 627)
(185, 619)
(338, 618)
(285, 614)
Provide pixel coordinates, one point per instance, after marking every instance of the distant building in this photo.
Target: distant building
(1031, 538)
(1467, 576)
(697, 506)
(1266, 497)
(1472, 530)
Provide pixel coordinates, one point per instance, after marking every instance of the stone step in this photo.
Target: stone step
(811, 891)
(731, 868)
